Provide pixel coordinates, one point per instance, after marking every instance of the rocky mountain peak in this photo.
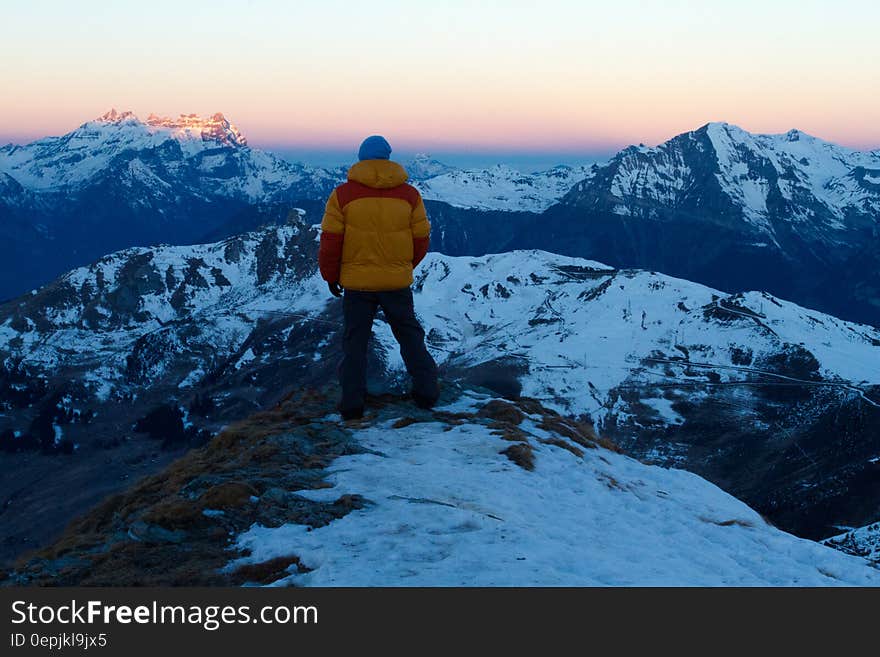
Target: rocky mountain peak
(185, 126)
(423, 166)
(216, 127)
(116, 117)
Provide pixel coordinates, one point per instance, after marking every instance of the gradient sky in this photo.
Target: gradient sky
(545, 76)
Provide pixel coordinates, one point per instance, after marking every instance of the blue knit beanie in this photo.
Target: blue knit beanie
(374, 148)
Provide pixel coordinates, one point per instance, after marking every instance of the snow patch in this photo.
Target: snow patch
(447, 509)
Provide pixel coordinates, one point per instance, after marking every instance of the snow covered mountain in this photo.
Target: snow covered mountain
(498, 188)
(788, 213)
(757, 394)
(478, 492)
(777, 404)
(423, 166)
(207, 155)
(118, 181)
(769, 182)
(479, 211)
(861, 542)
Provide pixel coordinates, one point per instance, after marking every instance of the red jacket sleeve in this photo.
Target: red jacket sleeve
(421, 230)
(420, 249)
(332, 236)
(330, 256)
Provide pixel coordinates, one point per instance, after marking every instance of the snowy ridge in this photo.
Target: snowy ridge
(187, 126)
(761, 175)
(423, 166)
(766, 180)
(479, 491)
(804, 165)
(216, 128)
(501, 187)
(224, 288)
(584, 329)
(210, 155)
(862, 542)
(203, 156)
(446, 508)
(647, 357)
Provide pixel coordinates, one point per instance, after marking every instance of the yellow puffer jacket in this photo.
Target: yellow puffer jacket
(375, 229)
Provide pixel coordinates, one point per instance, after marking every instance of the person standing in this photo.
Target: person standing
(375, 231)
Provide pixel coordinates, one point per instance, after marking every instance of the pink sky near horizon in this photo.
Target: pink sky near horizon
(491, 76)
(567, 134)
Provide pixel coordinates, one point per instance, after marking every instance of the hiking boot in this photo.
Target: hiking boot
(352, 413)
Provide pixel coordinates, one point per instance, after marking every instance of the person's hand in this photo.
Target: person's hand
(335, 289)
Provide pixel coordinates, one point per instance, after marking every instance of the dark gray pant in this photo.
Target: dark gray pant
(359, 309)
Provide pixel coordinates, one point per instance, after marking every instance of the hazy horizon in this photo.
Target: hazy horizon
(526, 161)
(462, 156)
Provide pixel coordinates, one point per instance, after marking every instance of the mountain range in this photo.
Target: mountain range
(778, 404)
(790, 214)
(191, 300)
(118, 181)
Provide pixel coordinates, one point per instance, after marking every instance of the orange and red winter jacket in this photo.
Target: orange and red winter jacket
(375, 229)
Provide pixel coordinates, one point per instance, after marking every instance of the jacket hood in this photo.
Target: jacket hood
(378, 174)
